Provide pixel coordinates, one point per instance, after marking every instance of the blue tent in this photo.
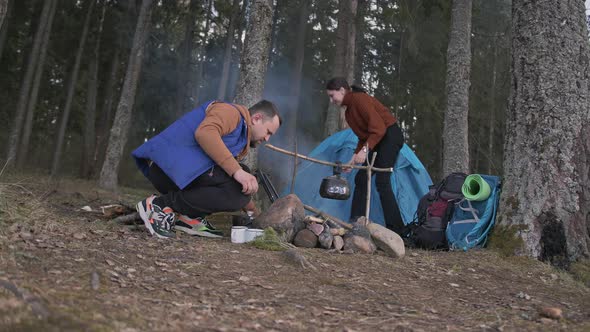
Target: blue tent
(410, 180)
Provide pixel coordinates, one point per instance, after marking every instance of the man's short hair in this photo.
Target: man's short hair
(267, 108)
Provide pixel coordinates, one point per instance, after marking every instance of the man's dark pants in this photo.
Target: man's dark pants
(213, 191)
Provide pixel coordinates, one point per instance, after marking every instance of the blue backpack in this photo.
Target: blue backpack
(472, 221)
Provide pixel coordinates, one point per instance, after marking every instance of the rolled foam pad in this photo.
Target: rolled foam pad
(475, 188)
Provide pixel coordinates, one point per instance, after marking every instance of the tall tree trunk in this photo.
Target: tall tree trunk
(545, 199)
(297, 73)
(350, 41)
(25, 90)
(203, 55)
(106, 115)
(3, 11)
(71, 90)
(343, 62)
(359, 26)
(254, 62)
(492, 108)
(455, 131)
(227, 56)
(32, 103)
(87, 167)
(273, 31)
(6, 6)
(184, 64)
(121, 123)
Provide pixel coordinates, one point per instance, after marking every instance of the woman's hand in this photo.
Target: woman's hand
(359, 157)
(346, 169)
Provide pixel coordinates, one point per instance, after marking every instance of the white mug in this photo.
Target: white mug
(238, 234)
(253, 233)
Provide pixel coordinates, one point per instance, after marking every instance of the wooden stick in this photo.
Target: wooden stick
(327, 216)
(375, 169)
(368, 208)
(128, 219)
(294, 168)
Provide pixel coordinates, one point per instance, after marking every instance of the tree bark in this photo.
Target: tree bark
(546, 192)
(25, 91)
(119, 131)
(343, 62)
(184, 71)
(227, 56)
(359, 26)
(7, 7)
(455, 131)
(203, 55)
(297, 73)
(254, 61)
(71, 90)
(492, 108)
(32, 103)
(273, 32)
(87, 167)
(3, 10)
(106, 115)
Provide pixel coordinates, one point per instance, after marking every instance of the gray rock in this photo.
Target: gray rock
(285, 216)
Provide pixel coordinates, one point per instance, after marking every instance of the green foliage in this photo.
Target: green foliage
(271, 241)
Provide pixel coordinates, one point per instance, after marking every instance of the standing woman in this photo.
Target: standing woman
(377, 131)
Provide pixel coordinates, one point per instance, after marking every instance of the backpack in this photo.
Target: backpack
(433, 213)
(472, 220)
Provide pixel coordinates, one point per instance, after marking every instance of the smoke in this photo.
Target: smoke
(302, 124)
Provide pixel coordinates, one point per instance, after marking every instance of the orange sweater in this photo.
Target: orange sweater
(367, 118)
(220, 120)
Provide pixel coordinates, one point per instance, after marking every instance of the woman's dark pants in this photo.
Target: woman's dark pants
(387, 152)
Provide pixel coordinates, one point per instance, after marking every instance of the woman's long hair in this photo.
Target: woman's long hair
(340, 82)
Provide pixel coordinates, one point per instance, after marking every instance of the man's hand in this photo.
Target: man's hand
(251, 207)
(247, 180)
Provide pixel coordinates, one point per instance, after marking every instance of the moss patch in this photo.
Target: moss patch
(581, 271)
(504, 239)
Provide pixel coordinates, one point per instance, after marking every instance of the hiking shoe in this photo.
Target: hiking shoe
(158, 221)
(196, 226)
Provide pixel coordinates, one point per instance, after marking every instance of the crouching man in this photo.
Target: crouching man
(194, 165)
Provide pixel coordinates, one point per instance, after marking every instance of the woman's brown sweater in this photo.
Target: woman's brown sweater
(367, 118)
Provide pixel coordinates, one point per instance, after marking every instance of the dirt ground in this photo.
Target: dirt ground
(63, 269)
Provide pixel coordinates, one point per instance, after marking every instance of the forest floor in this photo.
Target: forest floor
(65, 269)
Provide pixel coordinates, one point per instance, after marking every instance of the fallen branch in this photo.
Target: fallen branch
(327, 216)
(375, 169)
(128, 219)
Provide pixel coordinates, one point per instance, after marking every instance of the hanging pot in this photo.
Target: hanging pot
(334, 186)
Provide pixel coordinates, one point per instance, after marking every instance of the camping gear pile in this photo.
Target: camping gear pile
(457, 213)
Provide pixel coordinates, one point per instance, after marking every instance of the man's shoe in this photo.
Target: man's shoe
(158, 221)
(196, 226)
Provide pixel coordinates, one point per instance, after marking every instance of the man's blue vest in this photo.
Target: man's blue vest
(176, 151)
